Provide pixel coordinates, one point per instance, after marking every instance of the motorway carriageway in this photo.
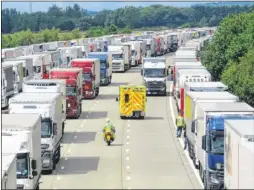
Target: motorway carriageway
(145, 155)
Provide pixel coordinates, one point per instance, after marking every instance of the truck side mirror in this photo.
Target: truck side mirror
(34, 173)
(178, 95)
(54, 129)
(204, 142)
(27, 73)
(193, 126)
(33, 164)
(5, 83)
(117, 99)
(142, 72)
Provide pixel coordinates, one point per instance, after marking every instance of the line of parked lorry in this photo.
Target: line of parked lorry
(41, 87)
(219, 127)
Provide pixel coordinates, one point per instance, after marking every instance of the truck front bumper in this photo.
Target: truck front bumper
(135, 113)
(151, 91)
(215, 180)
(47, 160)
(71, 112)
(104, 81)
(88, 93)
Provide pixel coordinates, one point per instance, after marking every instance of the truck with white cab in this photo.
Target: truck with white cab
(9, 179)
(50, 107)
(21, 135)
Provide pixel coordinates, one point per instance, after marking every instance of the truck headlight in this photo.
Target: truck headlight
(69, 105)
(218, 166)
(213, 179)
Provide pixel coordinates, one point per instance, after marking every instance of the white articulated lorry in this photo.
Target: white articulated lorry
(154, 72)
(9, 179)
(21, 136)
(119, 56)
(48, 86)
(49, 106)
(136, 55)
(27, 67)
(150, 47)
(209, 131)
(191, 100)
(17, 74)
(239, 154)
(7, 81)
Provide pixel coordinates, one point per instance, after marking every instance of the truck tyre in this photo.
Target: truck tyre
(110, 78)
(38, 187)
(58, 154)
(97, 91)
(142, 117)
(63, 129)
(122, 117)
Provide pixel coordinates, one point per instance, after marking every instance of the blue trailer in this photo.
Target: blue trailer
(105, 66)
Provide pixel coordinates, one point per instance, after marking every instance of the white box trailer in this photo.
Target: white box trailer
(21, 135)
(150, 47)
(49, 106)
(9, 179)
(191, 100)
(205, 87)
(17, 74)
(48, 86)
(7, 80)
(239, 154)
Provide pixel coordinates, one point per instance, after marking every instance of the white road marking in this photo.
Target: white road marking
(181, 140)
(62, 167)
(128, 178)
(127, 150)
(75, 137)
(58, 178)
(128, 137)
(127, 167)
(127, 158)
(127, 143)
(87, 116)
(69, 151)
(92, 108)
(66, 159)
(129, 125)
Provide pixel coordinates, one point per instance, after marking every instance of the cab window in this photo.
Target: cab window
(126, 98)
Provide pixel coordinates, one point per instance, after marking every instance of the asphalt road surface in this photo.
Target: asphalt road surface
(145, 154)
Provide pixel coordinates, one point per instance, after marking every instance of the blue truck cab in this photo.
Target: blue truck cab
(213, 145)
(105, 66)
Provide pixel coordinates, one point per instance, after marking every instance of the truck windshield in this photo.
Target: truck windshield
(103, 64)
(22, 165)
(148, 47)
(71, 91)
(37, 69)
(217, 144)
(87, 77)
(117, 56)
(46, 128)
(133, 53)
(152, 73)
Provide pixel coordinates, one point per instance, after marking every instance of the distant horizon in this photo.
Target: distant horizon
(91, 6)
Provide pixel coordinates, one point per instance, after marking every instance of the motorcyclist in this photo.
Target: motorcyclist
(109, 128)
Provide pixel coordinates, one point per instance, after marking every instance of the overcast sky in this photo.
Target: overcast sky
(95, 6)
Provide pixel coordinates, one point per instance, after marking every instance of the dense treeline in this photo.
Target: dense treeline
(230, 55)
(27, 37)
(152, 16)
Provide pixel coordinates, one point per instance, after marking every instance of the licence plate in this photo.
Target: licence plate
(154, 92)
(149, 92)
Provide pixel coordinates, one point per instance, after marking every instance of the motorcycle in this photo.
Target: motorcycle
(108, 137)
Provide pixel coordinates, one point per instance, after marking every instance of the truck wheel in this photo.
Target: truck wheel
(122, 117)
(142, 117)
(58, 154)
(63, 129)
(97, 91)
(110, 80)
(38, 187)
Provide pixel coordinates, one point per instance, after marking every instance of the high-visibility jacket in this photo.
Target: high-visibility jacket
(179, 121)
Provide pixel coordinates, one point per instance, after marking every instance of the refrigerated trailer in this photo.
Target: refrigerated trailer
(239, 154)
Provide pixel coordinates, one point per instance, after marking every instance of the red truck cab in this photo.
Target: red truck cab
(158, 46)
(91, 75)
(73, 77)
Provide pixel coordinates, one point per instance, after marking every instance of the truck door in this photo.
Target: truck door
(138, 99)
(126, 101)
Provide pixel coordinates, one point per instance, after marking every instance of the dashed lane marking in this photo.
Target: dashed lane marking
(58, 178)
(127, 167)
(62, 167)
(128, 178)
(127, 158)
(65, 158)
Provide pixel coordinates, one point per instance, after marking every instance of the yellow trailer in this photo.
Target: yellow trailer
(132, 100)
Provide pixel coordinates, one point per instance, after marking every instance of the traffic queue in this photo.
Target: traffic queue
(44, 84)
(219, 127)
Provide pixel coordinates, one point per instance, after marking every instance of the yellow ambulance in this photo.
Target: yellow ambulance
(132, 101)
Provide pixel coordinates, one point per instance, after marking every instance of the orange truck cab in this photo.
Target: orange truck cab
(73, 77)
